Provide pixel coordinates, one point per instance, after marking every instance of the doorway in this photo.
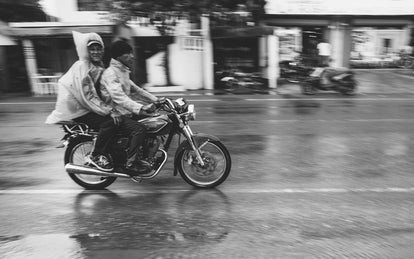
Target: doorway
(311, 36)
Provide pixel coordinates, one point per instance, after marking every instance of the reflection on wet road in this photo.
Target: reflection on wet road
(209, 224)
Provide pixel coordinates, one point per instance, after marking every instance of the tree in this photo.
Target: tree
(21, 11)
(219, 10)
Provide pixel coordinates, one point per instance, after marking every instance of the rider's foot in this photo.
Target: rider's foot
(101, 162)
(138, 167)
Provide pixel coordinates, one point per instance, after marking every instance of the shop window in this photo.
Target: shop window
(92, 5)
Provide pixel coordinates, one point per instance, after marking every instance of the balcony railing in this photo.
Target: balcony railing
(45, 85)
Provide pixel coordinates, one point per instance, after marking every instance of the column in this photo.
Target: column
(341, 43)
(272, 60)
(31, 64)
(263, 55)
(4, 76)
(208, 68)
(407, 35)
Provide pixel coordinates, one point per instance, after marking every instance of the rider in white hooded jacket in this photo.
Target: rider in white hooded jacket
(78, 100)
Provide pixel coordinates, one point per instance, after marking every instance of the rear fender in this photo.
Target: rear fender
(199, 139)
(69, 138)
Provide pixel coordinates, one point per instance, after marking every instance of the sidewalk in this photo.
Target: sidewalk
(18, 97)
(370, 81)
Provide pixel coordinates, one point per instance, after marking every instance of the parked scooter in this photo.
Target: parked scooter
(294, 71)
(341, 80)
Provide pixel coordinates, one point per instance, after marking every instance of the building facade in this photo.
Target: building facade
(358, 31)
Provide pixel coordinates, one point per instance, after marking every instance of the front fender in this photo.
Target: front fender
(199, 139)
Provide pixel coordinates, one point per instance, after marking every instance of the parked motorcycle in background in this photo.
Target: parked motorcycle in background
(341, 80)
(233, 80)
(405, 60)
(202, 160)
(293, 71)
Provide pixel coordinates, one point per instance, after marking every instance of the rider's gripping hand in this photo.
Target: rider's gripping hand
(159, 101)
(116, 117)
(149, 108)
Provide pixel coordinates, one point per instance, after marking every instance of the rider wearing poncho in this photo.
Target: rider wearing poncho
(78, 100)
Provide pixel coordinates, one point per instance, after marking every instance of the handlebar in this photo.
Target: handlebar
(170, 105)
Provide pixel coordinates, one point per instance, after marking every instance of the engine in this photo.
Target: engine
(151, 147)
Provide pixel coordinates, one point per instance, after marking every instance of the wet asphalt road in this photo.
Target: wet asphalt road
(324, 176)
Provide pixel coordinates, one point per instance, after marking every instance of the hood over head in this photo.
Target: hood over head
(83, 40)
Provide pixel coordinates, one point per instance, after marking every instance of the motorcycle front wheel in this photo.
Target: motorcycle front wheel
(76, 153)
(216, 168)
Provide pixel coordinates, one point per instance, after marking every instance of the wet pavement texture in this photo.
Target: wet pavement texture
(209, 224)
(325, 176)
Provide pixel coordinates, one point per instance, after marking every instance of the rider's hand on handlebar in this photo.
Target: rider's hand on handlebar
(159, 102)
(116, 117)
(148, 108)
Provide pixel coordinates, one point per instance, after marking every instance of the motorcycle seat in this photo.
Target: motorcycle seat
(337, 71)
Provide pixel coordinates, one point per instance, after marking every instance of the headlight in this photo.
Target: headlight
(180, 101)
(191, 112)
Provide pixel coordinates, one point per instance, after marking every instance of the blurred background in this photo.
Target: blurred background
(191, 45)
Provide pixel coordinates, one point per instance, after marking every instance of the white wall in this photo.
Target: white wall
(61, 8)
(67, 11)
(185, 68)
(373, 48)
(155, 70)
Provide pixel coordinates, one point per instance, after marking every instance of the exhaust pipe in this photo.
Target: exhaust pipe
(79, 169)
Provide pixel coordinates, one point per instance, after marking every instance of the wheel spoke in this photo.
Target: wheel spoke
(78, 155)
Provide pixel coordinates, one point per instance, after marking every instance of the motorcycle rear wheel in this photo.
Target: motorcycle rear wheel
(75, 153)
(215, 171)
(307, 88)
(348, 88)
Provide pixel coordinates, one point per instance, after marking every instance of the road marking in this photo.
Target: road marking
(255, 99)
(27, 103)
(229, 191)
(205, 100)
(408, 120)
(329, 99)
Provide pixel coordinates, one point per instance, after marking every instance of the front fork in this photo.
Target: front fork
(189, 135)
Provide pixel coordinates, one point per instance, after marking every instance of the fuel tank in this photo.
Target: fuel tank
(159, 125)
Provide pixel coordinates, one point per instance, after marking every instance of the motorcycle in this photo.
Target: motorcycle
(293, 71)
(232, 81)
(201, 160)
(330, 79)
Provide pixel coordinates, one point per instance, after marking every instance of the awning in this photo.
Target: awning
(48, 29)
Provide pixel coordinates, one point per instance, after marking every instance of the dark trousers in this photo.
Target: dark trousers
(131, 127)
(106, 127)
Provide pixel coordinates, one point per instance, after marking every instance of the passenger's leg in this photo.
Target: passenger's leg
(107, 129)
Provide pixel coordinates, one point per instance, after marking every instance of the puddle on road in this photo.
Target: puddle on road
(22, 148)
(49, 246)
(20, 155)
(52, 246)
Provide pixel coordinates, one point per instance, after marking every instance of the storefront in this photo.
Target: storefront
(237, 49)
(353, 28)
